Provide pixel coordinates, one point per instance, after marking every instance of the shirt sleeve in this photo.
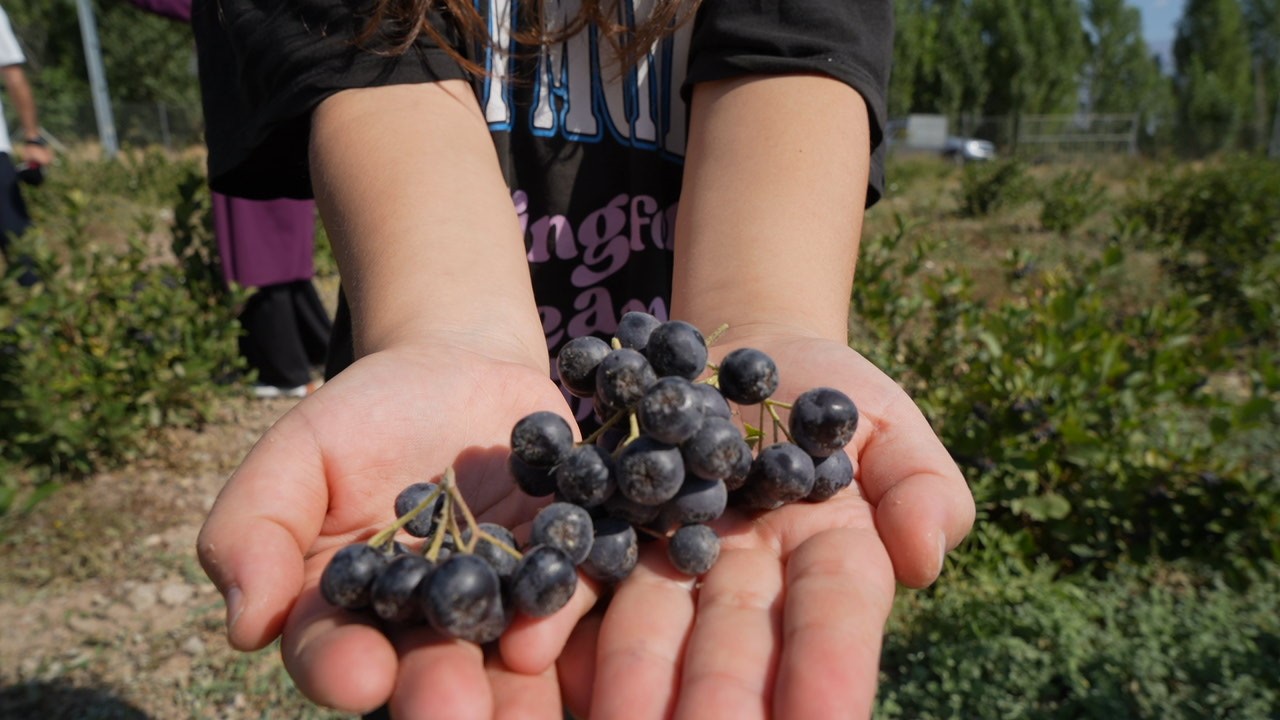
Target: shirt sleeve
(849, 40)
(266, 64)
(10, 50)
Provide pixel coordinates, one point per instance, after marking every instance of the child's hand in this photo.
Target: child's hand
(326, 475)
(788, 622)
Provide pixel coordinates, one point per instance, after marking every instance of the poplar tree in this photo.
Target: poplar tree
(1213, 76)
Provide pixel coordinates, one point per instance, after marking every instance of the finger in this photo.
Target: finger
(440, 679)
(531, 645)
(641, 642)
(337, 658)
(839, 594)
(523, 696)
(252, 543)
(733, 649)
(923, 505)
(576, 666)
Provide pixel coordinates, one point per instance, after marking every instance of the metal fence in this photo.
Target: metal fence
(138, 125)
(1058, 136)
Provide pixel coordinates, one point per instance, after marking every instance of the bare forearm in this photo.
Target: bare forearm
(24, 101)
(771, 212)
(426, 237)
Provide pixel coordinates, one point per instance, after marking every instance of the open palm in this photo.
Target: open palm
(326, 475)
(788, 623)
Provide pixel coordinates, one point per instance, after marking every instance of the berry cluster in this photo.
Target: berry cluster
(666, 460)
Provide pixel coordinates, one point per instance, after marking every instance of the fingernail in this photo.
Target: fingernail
(942, 551)
(235, 601)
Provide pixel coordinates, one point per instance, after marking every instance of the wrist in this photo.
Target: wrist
(500, 340)
(36, 139)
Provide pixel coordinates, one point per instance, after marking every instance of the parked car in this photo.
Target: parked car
(963, 149)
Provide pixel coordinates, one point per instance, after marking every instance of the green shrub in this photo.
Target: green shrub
(1068, 200)
(112, 346)
(1218, 229)
(1088, 435)
(1155, 644)
(989, 186)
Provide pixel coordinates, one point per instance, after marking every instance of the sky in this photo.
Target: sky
(1159, 22)
(1159, 18)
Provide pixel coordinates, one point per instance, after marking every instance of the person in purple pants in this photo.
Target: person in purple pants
(267, 245)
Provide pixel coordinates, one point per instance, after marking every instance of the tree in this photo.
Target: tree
(1213, 76)
(1262, 19)
(939, 59)
(1122, 75)
(148, 60)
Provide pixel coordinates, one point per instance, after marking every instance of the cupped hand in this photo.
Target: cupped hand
(326, 475)
(788, 622)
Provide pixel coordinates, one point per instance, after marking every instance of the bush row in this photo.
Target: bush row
(113, 345)
(1156, 643)
(1089, 434)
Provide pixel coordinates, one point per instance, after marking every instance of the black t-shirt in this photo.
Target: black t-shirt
(593, 159)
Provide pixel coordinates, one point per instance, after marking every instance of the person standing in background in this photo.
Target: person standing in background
(268, 245)
(35, 154)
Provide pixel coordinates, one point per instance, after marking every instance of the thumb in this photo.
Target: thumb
(253, 543)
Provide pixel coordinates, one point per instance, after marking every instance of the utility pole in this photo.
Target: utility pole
(97, 78)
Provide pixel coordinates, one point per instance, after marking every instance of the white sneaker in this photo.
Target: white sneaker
(269, 392)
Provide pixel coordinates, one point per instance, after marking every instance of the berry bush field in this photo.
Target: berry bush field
(1096, 345)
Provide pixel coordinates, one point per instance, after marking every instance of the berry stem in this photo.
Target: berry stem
(617, 418)
(437, 540)
(383, 537)
(470, 547)
(715, 335)
(495, 540)
(778, 424)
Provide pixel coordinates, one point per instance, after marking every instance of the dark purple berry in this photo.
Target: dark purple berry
(781, 473)
(713, 403)
(634, 329)
(670, 411)
(533, 481)
(831, 475)
(715, 451)
(566, 527)
(502, 561)
(650, 472)
(576, 364)
(409, 498)
(614, 552)
(822, 421)
(543, 582)
(393, 594)
(460, 597)
(347, 578)
(585, 476)
(541, 439)
(677, 348)
(748, 376)
(620, 507)
(698, 501)
(693, 549)
(621, 380)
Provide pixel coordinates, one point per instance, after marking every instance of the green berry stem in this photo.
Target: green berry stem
(474, 526)
(715, 335)
(495, 540)
(383, 537)
(777, 422)
(778, 403)
(617, 418)
(631, 436)
(437, 539)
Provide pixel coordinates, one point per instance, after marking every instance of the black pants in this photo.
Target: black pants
(286, 333)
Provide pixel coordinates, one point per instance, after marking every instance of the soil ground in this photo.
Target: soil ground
(107, 613)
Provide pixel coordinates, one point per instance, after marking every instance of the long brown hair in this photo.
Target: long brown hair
(399, 24)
